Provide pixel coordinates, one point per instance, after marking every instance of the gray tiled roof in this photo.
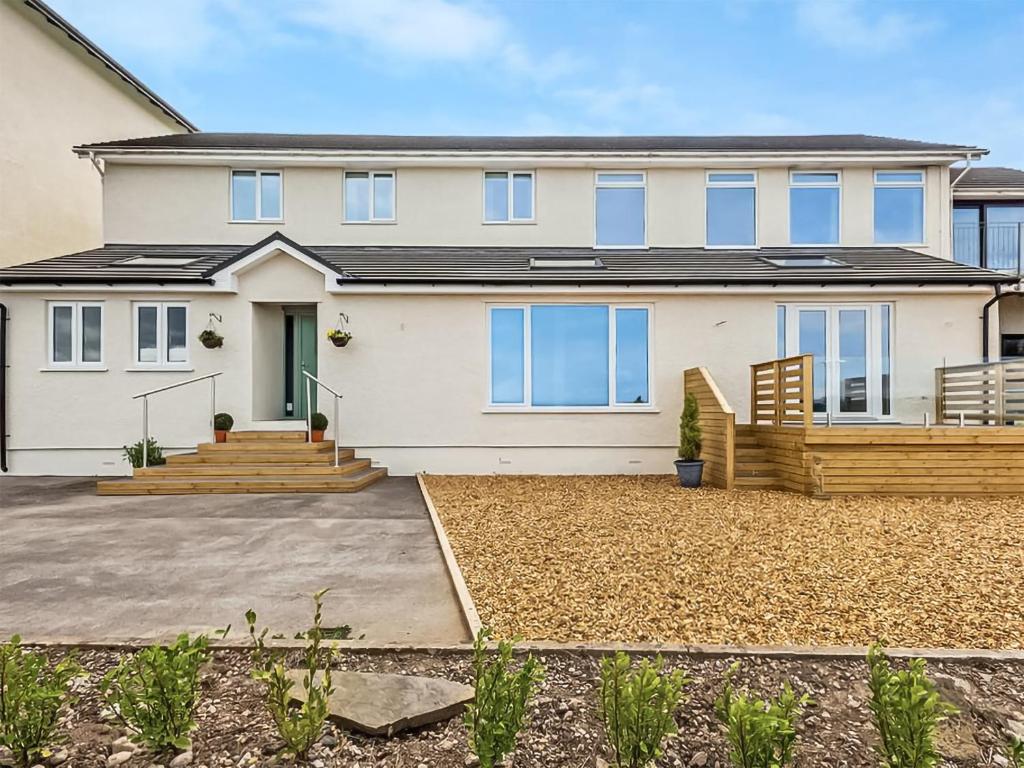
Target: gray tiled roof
(366, 143)
(983, 177)
(512, 266)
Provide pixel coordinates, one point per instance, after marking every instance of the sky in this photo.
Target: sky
(939, 71)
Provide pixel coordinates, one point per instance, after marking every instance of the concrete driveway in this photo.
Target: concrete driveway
(78, 567)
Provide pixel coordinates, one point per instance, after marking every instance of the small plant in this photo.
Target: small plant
(638, 708)
(338, 337)
(761, 733)
(154, 457)
(299, 727)
(211, 339)
(498, 710)
(1014, 752)
(32, 694)
(223, 421)
(155, 691)
(318, 422)
(689, 429)
(907, 709)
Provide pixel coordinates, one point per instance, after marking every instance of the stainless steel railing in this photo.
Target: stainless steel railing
(312, 380)
(998, 246)
(145, 407)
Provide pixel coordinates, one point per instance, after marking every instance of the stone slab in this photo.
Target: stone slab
(384, 704)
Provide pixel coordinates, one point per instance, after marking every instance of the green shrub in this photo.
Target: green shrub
(498, 710)
(318, 422)
(761, 733)
(32, 693)
(155, 453)
(1014, 752)
(154, 692)
(299, 727)
(638, 708)
(224, 421)
(689, 429)
(907, 708)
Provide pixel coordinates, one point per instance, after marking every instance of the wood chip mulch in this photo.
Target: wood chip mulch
(639, 559)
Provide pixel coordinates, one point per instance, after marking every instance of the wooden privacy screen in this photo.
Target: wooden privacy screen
(781, 392)
(989, 393)
(718, 428)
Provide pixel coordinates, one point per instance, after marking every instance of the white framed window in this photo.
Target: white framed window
(731, 202)
(899, 207)
(620, 209)
(160, 332)
(852, 346)
(369, 196)
(814, 207)
(570, 356)
(75, 337)
(509, 197)
(256, 195)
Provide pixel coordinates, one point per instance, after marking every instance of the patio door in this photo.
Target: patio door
(852, 358)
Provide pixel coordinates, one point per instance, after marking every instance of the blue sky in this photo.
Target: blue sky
(945, 71)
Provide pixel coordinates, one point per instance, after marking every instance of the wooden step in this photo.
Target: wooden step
(310, 458)
(246, 436)
(346, 467)
(756, 468)
(279, 446)
(764, 482)
(144, 486)
(751, 454)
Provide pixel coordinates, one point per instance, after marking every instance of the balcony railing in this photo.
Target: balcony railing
(993, 246)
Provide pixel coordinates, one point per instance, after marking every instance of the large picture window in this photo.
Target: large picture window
(621, 209)
(160, 334)
(731, 214)
(899, 207)
(570, 356)
(75, 335)
(814, 207)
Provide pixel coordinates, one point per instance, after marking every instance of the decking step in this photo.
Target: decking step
(179, 471)
(753, 468)
(259, 435)
(763, 482)
(281, 446)
(309, 458)
(269, 484)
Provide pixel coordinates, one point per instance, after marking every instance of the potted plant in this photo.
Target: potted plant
(688, 466)
(338, 337)
(211, 339)
(222, 424)
(154, 455)
(317, 425)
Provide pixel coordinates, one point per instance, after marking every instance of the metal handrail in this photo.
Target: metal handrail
(145, 408)
(310, 379)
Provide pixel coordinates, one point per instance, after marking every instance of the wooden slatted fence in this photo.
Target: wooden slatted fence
(782, 391)
(987, 394)
(718, 428)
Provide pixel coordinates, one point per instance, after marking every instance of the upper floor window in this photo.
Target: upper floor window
(731, 214)
(621, 209)
(76, 334)
(814, 207)
(508, 196)
(369, 196)
(256, 196)
(160, 333)
(899, 207)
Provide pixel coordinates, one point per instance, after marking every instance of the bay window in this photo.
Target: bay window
(899, 207)
(76, 334)
(160, 334)
(570, 356)
(814, 207)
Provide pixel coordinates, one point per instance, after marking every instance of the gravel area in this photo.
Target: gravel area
(640, 559)
(235, 729)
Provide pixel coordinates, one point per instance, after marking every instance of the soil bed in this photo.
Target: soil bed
(638, 559)
(235, 729)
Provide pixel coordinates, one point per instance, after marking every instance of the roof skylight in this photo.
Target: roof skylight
(804, 262)
(566, 262)
(156, 261)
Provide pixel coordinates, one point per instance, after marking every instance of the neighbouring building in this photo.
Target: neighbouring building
(59, 89)
(515, 304)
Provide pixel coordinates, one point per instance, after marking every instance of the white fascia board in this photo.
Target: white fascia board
(731, 290)
(227, 278)
(978, 194)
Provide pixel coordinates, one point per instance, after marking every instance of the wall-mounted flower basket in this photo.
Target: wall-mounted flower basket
(340, 336)
(209, 338)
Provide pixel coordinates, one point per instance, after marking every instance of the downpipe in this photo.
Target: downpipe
(4, 317)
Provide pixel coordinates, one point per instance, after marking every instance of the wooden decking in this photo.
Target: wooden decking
(252, 462)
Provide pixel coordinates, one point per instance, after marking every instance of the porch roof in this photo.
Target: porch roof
(181, 264)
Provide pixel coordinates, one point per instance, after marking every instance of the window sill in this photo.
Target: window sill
(643, 247)
(74, 369)
(186, 368)
(901, 245)
(255, 221)
(513, 222)
(374, 222)
(732, 247)
(569, 409)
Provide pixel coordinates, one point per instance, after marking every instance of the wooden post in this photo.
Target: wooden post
(940, 396)
(999, 395)
(777, 392)
(807, 389)
(753, 394)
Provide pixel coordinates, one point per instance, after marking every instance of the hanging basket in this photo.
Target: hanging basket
(211, 339)
(340, 336)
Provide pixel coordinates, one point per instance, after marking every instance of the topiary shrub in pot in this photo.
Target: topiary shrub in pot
(689, 467)
(317, 423)
(222, 424)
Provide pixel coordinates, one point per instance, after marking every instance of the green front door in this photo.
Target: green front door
(299, 355)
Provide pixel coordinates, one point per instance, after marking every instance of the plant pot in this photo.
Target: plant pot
(317, 436)
(216, 343)
(220, 435)
(340, 341)
(689, 472)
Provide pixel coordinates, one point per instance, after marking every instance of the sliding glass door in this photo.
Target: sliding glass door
(851, 348)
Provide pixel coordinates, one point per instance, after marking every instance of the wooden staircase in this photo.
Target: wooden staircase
(754, 469)
(252, 462)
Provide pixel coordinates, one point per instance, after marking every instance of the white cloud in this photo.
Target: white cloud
(632, 103)
(855, 26)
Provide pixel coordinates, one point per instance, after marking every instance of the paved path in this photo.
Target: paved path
(78, 567)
